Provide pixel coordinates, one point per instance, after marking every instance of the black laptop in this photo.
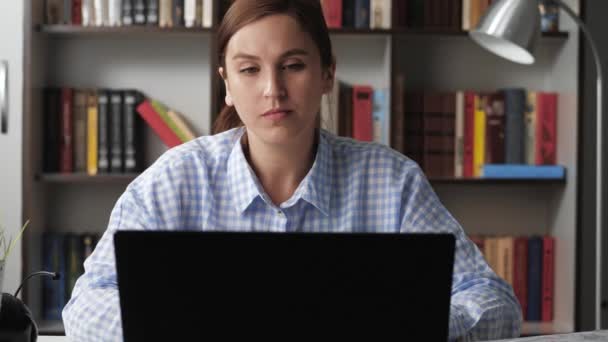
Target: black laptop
(195, 286)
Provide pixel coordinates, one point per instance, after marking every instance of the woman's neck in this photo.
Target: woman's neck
(280, 168)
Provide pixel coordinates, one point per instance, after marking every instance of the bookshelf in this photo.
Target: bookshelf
(178, 67)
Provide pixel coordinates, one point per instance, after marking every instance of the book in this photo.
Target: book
(531, 116)
(515, 107)
(469, 134)
(115, 12)
(139, 12)
(152, 12)
(345, 116)
(53, 290)
(163, 111)
(133, 135)
(535, 269)
(510, 171)
(495, 129)
(381, 14)
(549, 16)
(92, 131)
(381, 116)
(103, 131)
(88, 13)
(189, 13)
(479, 134)
(178, 13)
(520, 272)
(158, 125)
(66, 147)
(101, 8)
(330, 109)
(73, 262)
(362, 113)
(67, 12)
(52, 129)
(77, 12)
(398, 115)
(546, 128)
(127, 12)
(362, 14)
(116, 132)
(548, 279)
(208, 13)
(459, 136)
(80, 130)
(165, 13)
(54, 12)
(332, 11)
(181, 128)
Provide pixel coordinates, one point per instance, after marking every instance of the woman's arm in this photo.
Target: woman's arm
(93, 312)
(483, 305)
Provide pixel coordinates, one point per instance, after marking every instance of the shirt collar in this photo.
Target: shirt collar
(315, 188)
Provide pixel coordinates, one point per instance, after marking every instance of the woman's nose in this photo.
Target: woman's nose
(275, 87)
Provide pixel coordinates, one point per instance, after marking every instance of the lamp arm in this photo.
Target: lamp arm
(598, 165)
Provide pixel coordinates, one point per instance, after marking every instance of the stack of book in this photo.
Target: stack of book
(528, 265)
(97, 131)
(64, 253)
(477, 134)
(163, 13)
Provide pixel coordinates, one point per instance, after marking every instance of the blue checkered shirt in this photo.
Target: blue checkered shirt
(207, 184)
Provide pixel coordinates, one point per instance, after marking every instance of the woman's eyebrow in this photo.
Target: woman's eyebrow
(289, 53)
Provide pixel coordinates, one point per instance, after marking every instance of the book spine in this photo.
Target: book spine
(189, 13)
(53, 291)
(362, 14)
(535, 259)
(459, 136)
(548, 279)
(131, 132)
(67, 12)
(53, 12)
(515, 105)
(115, 12)
(381, 14)
(520, 273)
(362, 113)
(116, 149)
(433, 135)
(73, 263)
(103, 163)
(345, 121)
(398, 116)
(52, 129)
(198, 13)
(153, 119)
(80, 131)
(332, 11)
(76, 12)
(530, 128)
(101, 12)
(183, 131)
(546, 129)
(92, 129)
(479, 144)
(152, 12)
(165, 13)
(466, 15)
(178, 13)
(66, 145)
(88, 13)
(469, 134)
(381, 131)
(139, 12)
(127, 12)
(495, 129)
(208, 13)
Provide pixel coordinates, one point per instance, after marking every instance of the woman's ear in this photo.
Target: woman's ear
(228, 98)
(329, 78)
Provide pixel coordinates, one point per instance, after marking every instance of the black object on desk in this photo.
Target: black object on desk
(16, 320)
(187, 286)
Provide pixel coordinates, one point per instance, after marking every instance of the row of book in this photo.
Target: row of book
(528, 265)
(163, 13)
(101, 130)
(420, 14)
(64, 253)
(452, 134)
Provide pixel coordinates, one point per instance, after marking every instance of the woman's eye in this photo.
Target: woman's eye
(294, 66)
(250, 70)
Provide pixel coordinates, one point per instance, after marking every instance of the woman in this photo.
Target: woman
(272, 169)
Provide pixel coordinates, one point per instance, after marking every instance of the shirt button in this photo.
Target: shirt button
(280, 213)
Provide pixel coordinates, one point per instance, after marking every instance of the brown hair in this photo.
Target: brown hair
(308, 14)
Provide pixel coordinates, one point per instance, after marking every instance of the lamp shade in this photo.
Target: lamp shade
(510, 29)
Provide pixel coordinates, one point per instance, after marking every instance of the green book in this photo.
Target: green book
(162, 110)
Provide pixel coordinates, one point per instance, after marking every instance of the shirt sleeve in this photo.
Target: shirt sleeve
(93, 312)
(483, 306)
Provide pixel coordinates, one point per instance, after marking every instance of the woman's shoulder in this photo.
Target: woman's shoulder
(203, 154)
(352, 151)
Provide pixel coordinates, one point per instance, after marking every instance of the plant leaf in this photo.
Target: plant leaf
(13, 241)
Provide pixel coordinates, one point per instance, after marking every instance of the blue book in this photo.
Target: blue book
(362, 14)
(515, 106)
(523, 171)
(53, 290)
(535, 268)
(380, 117)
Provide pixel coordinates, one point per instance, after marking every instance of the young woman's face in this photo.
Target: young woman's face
(275, 80)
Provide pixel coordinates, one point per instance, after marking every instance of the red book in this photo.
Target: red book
(546, 129)
(362, 113)
(66, 164)
(495, 129)
(153, 119)
(547, 279)
(469, 133)
(520, 272)
(332, 10)
(76, 12)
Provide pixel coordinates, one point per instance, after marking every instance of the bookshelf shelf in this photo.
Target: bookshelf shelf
(85, 178)
(544, 328)
(153, 30)
(92, 30)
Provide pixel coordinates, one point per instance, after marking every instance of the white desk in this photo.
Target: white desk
(600, 335)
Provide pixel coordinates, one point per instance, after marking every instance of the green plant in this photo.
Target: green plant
(7, 244)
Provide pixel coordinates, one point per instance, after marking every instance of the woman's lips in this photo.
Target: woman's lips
(276, 115)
